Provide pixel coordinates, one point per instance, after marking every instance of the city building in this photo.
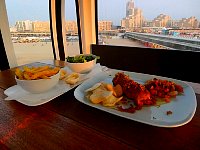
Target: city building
(71, 27)
(162, 21)
(13, 29)
(104, 25)
(191, 22)
(134, 18)
(41, 26)
(24, 26)
(129, 8)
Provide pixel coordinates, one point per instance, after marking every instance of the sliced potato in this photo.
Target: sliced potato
(111, 100)
(103, 93)
(63, 74)
(109, 87)
(100, 95)
(72, 78)
(93, 87)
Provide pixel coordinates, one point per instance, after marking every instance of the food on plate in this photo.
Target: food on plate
(37, 79)
(127, 95)
(111, 101)
(118, 91)
(153, 92)
(81, 63)
(163, 89)
(95, 86)
(69, 78)
(133, 90)
(169, 112)
(72, 78)
(63, 74)
(34, 73)
(101, 93)
(81, 58)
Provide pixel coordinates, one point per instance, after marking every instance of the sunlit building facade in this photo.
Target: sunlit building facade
(104, 25)
(41, 26)
(191, 22)
(71, 27)
(134, 18)
(162, 21)
(24, 26)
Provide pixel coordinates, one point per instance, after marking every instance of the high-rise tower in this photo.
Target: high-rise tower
(130, 8)
(134, 19)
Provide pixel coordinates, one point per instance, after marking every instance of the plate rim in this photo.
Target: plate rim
(104, 75)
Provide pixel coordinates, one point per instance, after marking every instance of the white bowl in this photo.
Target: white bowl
(40, 85)
(82, 67)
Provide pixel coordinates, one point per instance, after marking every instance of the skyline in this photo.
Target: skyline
(30, 10)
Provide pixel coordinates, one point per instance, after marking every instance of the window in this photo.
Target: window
(72, 38)
(30, 30)
(154, 24)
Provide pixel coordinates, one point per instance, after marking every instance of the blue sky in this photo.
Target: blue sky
(113, 10)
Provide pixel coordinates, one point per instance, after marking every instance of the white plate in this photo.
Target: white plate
(17, 93)
(183, 106)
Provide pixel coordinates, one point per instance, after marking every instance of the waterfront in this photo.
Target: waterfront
(31, 52)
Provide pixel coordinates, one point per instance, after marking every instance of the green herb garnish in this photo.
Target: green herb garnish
(81, 58)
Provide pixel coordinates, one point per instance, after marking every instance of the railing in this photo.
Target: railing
(167, 41)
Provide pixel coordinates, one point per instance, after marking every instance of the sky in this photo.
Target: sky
(113, 10)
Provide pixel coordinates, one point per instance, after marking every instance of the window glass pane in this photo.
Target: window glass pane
(30, 30)
(154, 24)
(71, 27)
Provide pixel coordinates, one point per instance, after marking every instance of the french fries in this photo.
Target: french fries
(35, 73)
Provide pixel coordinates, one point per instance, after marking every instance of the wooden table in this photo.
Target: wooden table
(65, 123)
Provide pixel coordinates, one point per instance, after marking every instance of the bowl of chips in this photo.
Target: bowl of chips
(37, 79)
(82, 63)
